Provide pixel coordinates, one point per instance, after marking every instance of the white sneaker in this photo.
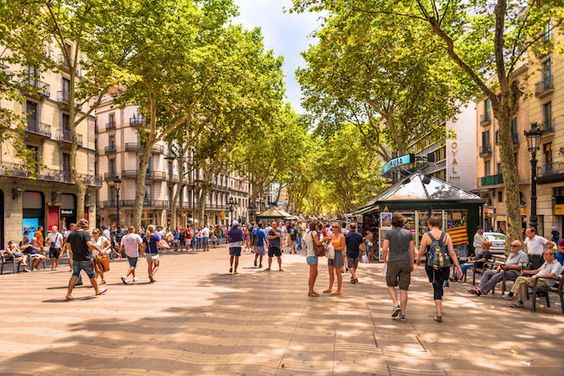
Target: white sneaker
(124, 280)
(135, 279)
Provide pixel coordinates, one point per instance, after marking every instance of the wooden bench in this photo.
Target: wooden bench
(5, 259)
(545, 291)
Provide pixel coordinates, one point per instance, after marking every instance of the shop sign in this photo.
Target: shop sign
(454, 163)
(69, 212)
(559, 209)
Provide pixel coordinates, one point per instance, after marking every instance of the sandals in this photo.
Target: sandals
(313, 294)
(101, 292)
(327, 291)
(438, 318)
(336, 293)
(68, 298)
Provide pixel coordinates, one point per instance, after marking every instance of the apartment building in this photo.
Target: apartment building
(455, 157)
(544, 106)
(118, 148)
(45, 197)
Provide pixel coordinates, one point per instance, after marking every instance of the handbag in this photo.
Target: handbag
(364, 259)
(330, 252)
(104, 262)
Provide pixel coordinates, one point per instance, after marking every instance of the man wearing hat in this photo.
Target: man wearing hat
(235, 238)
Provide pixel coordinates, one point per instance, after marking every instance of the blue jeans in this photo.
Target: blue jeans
(77, 266)
(464, 268)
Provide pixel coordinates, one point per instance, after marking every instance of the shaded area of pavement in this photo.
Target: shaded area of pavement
(198, 319)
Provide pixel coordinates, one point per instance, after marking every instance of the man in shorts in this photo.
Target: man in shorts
(206, 238)
(130, 245)
(259, 236)
(293, 235)
(80, 243)
(398, 252)
(235, 238)
(274, 245)
(353, 241)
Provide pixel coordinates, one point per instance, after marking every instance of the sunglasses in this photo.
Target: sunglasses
(514, 246)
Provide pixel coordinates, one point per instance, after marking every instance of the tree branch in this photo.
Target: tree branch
(499, 41)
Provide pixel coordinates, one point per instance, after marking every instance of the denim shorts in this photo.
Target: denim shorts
(235, 251)
(311, 260)
(77, 266)
(132, 261)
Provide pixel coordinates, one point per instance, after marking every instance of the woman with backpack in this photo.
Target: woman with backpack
(437, 246)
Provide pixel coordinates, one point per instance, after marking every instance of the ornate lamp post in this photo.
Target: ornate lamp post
(533, 143)
(117, 186)
(231, 204)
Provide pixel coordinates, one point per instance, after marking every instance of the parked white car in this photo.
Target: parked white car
(498, 242)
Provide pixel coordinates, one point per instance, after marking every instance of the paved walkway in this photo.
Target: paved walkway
(197, 320)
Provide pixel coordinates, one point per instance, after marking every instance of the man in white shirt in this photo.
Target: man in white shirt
(550, 269)
(130, 244)
(206, 238)
(535, 245)
(55, 243)
(479, 239)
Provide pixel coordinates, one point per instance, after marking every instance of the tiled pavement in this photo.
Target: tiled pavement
(198, 320)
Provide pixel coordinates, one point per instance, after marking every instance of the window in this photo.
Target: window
(65, 124)
(547, 73)
(547, 152)
(498, 168)
(170, 196)
(111, 166)
(499, 196)
(32, 75)
(547, 115)
(31, 109)
(487, 167)
(111, 120)
(547, 30)
(487, 107)
(486, 138)
(112, 141)
(170, 170)
(148, 195)
(66, 164)
(66, 87)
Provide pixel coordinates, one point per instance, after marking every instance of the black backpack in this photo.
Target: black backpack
(437, 257)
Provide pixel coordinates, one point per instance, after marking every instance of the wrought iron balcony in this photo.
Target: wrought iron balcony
(16, 170)
(544, 87)
(485, 151)
(111, 149)
(64, 135)
(157, 149)
(132, 146)
(111, 125)
(38, 128)
(492, 180)
(33, 88)
(550, 173)
(110, 176)
(136, 121)
(157, 175)
(63, 96)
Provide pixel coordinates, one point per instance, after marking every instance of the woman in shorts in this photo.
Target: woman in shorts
(311, 241)
(106, 246)
(335, 266)
(151, 249)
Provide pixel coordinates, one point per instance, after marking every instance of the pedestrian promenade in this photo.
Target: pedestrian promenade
(199, 320)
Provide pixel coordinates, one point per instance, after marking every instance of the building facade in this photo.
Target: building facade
(47, 196)
(118, 148)
(455, 157)
(544, 106)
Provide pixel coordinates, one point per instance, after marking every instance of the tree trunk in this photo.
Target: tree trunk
(140, 185)
(510, 173)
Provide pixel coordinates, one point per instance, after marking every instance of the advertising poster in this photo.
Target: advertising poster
(30, 225)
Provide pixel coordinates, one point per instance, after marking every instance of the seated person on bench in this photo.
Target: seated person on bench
(477, 261)
(18, 256)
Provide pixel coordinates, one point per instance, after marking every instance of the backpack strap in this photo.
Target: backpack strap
(430, 236)
(443, 236)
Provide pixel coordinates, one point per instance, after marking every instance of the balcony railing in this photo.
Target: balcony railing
(111, 149)
(157, 175)
(111, 125)
(129, 174)
(92, 180)
(492, 180)
(132, 146)
(32, 87)
(64, 135)
(16, 170)
(485, 119)
(544, 87)
(110, 175)
(46, 174)
(54, 175)
(157, 149)
(136, 121)
(36, 127)
(486, 151)
(550, 173)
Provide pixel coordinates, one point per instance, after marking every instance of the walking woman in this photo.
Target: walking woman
(312, 242)
(151, 250)
(101, 263)
(437, 247)
(337, 240)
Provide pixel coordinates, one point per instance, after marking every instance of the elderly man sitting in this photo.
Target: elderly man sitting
(550, 269)
(516, 261)
(13, 251)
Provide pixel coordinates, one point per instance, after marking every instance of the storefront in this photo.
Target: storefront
(33, 211)
(419, 196)
(2, 215)
(68, 210)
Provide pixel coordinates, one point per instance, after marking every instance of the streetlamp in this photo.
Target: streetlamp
(533, 143)
(231, 204)
(117, 186)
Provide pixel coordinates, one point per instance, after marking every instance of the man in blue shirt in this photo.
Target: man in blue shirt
(259, 239)
(353, 241)
(560, 253)
(235, 238)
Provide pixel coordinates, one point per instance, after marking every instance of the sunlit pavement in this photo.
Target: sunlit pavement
(197, 319)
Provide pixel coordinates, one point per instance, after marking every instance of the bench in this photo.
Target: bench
(5, 259)
(545, 291)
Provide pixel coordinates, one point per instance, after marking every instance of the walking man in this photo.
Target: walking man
(55, 243)
(130, 244)
(259, 240)
(81, 245)
(235, 238)
(398, 252)
(353, 240)
(206, 238)
(273, 237)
